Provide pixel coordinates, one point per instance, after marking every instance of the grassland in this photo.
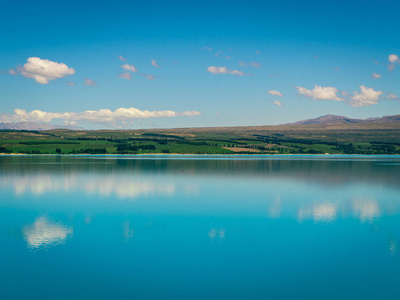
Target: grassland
(286, 139)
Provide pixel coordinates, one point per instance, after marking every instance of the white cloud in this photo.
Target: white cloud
(154, 63)
(125, 75)
(367, 96)
(320, 93)
(89, 82)
(43, 70)
(224, 70)
(277, 103)
(376, 75)
(12, 71)
(129, 68)
(393, 58)
(275, 93)
(43, 233)
(121, 58)
(103, 116)
(70, 83)
(255, 64)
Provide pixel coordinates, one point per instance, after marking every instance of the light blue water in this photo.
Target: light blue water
(209, 227)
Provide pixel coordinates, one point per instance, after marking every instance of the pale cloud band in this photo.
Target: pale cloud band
(102, 116)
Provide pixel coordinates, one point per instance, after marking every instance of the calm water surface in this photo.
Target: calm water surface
(187, 227)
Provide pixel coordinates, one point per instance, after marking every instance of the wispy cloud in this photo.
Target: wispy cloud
(207, 48)
(121, 58)
(70, 83)
(275, 93)
(224, 70)
(218, 53)
(366, 96)
(89, 82)
(154, 63)
(376, 75)
(103, 116)
(391, 96)
(129, 68)
(147, 76)
(125, 75)
(43, 70)
(320, 93)
(277, 103)
(253, 64)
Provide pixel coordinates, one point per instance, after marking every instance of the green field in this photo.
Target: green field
(285, 139)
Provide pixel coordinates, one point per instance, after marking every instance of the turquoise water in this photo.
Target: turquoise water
(208, 227)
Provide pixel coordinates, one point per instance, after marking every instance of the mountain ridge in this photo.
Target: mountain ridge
(335, 119)
(322, 120)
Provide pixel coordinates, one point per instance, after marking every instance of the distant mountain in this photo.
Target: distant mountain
(36, 126)
(333, 119)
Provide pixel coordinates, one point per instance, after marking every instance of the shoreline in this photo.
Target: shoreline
(188, 154)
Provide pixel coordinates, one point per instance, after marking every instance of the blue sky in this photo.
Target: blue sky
(213, 62)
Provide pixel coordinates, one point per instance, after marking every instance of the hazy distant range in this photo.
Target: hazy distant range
(327, 119)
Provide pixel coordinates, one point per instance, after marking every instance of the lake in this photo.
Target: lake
(200, 227)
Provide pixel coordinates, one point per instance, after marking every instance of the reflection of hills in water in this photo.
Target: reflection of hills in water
(328, 171)
(302, 189)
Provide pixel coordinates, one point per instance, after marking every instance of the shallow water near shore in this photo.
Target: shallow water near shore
(200, 227)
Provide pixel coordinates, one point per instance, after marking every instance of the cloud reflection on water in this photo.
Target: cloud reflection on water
(105, 185)
(366, 209)
(320, 212)
(45, 233)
